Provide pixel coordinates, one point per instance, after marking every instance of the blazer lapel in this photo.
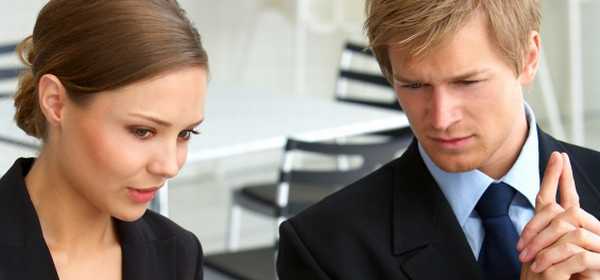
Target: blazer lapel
(427, 241)
(25, 254)
(145, 255)
(588, 193)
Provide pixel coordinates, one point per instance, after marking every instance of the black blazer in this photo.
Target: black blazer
(397, 224)
(153, 247)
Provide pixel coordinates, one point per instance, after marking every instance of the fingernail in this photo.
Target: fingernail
(523, 255)
(534, 267)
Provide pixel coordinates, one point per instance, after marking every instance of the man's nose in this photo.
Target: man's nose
(443, 111)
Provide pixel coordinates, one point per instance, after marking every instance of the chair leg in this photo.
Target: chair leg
(234, 228)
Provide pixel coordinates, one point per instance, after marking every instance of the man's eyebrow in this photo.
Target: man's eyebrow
(463, 76)
(469, 74)
(401, 79)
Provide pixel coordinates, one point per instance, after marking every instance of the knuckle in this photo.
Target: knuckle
(539, 200)
(583, 259)
(562, 226)
(574, 212)
(549, 273)
(564, 248)
(579, 234)
(543, 258)
(555, 208)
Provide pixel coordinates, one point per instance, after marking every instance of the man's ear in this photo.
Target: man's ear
(52, 97)
(532, 59)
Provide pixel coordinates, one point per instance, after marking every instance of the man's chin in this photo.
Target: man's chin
(454, 164)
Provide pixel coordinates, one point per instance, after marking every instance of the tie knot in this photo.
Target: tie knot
(495, 201)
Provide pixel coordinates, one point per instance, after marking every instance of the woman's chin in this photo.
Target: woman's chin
(130, 215)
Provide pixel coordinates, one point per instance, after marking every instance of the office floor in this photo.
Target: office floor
(199, 197)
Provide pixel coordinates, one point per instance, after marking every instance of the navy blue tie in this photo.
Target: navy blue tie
(498, 256)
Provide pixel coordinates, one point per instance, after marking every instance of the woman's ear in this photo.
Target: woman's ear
(532, 59)
(52, 97)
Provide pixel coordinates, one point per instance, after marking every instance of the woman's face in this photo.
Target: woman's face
(118, 149)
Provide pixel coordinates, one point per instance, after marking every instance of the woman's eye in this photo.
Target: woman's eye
(187, 134)
(142, 133)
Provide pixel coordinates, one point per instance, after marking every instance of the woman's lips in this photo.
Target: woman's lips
(141, 195)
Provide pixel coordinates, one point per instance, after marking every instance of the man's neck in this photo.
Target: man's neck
(505, 156)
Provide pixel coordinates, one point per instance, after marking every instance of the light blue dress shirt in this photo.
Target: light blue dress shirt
(463, 190)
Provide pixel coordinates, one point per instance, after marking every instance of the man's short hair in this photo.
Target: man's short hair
(420, 25)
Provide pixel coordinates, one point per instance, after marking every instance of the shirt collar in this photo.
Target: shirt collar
(463, 189)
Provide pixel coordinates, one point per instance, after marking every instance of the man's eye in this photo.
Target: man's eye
(142, 133)
(413, 86)
(469, 82)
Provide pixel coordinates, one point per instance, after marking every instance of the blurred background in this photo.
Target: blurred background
(294, 48)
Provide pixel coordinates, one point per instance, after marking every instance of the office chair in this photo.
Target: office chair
(296, 189)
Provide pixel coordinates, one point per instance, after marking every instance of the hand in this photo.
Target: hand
(561, 240)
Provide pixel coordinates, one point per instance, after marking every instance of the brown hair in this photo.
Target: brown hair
(420, 25)
(94, 46)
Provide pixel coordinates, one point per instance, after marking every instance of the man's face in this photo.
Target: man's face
(464, 101)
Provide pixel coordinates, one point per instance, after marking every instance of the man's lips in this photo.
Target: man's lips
(452, 142)
(450, 139)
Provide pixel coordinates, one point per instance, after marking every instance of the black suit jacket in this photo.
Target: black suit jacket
(153, 247)
(397, 224)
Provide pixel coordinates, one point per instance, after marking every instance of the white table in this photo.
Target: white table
(243, 121)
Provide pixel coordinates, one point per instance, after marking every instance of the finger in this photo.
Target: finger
(567, 190)
(540, 233)
(569, 245)
(549, 185)
(578, 263)
(538, 223)
(554, 255)
(548, 236)
(581, 219)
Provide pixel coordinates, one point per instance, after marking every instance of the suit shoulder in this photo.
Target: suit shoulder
(582, 153)
(587, 160)
(366, 198)
(187, 247)
(158, 226)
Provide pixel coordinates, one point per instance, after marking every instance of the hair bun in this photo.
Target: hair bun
(28, 115)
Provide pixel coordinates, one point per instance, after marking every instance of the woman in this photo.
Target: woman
(114, 89)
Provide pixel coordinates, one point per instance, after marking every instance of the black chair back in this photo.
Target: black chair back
(372, 156)
(347, 75)
(8, 72)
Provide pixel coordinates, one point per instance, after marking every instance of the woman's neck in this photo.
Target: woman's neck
(70, 223)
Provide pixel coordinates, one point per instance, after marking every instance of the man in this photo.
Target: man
(475, 196)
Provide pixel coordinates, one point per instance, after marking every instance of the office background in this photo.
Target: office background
(254, 45)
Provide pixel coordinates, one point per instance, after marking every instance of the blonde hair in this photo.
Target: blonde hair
(94, 46)
(420, 25)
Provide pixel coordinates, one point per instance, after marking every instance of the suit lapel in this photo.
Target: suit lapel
(146, 256)
(588, 193)
(427, 241)
(25, 255)
(24, 251)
